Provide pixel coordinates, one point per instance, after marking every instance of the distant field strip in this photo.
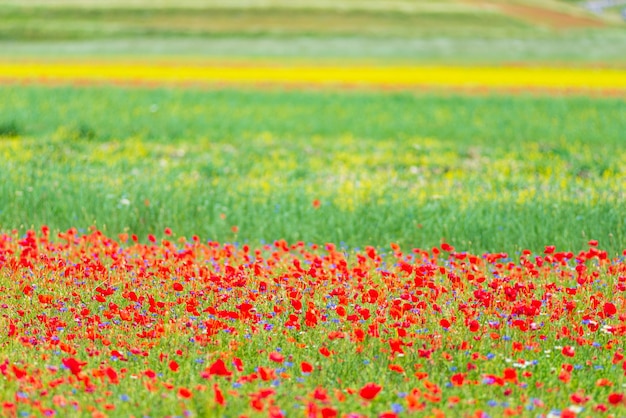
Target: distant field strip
(255, 73)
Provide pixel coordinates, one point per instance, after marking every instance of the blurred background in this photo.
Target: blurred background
(443, 30)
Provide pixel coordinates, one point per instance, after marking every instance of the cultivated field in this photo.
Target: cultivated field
(310, 208)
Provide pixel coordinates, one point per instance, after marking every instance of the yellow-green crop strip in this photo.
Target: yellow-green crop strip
(253, 73)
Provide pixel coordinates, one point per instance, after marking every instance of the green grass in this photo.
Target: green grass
(490, 173)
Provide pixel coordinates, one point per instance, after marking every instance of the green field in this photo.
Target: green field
(64, 23)
(442, 31)
(491, 173)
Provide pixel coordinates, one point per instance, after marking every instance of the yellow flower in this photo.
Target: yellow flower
(255, 73)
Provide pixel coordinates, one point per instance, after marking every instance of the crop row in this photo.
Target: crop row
(260, 73)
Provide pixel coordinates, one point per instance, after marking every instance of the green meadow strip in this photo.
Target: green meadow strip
(488, 173)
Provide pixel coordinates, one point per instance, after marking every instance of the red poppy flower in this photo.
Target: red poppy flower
(306, 367)
(112, 375)
(276, 357)
(616, 398)
(266, 373)
(324, 351)
(45, 299)
(609, 309)
(75, 366)
(320, 394)
(396, 368)
(457, 379)
(369, 391)
(473, 326)
(218, 395)
(447, 247)
(218, 368)
(510, 375)
(184, 393)
(19, 373)
(329, 412)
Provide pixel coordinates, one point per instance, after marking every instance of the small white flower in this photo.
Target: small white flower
(522, 364)
(607, 329)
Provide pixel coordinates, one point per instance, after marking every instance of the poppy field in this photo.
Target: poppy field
(98, 325)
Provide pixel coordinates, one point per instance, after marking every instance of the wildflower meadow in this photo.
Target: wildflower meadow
(312, 209)
(100, 325)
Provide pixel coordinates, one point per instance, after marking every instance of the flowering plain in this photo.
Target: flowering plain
(177, 252)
